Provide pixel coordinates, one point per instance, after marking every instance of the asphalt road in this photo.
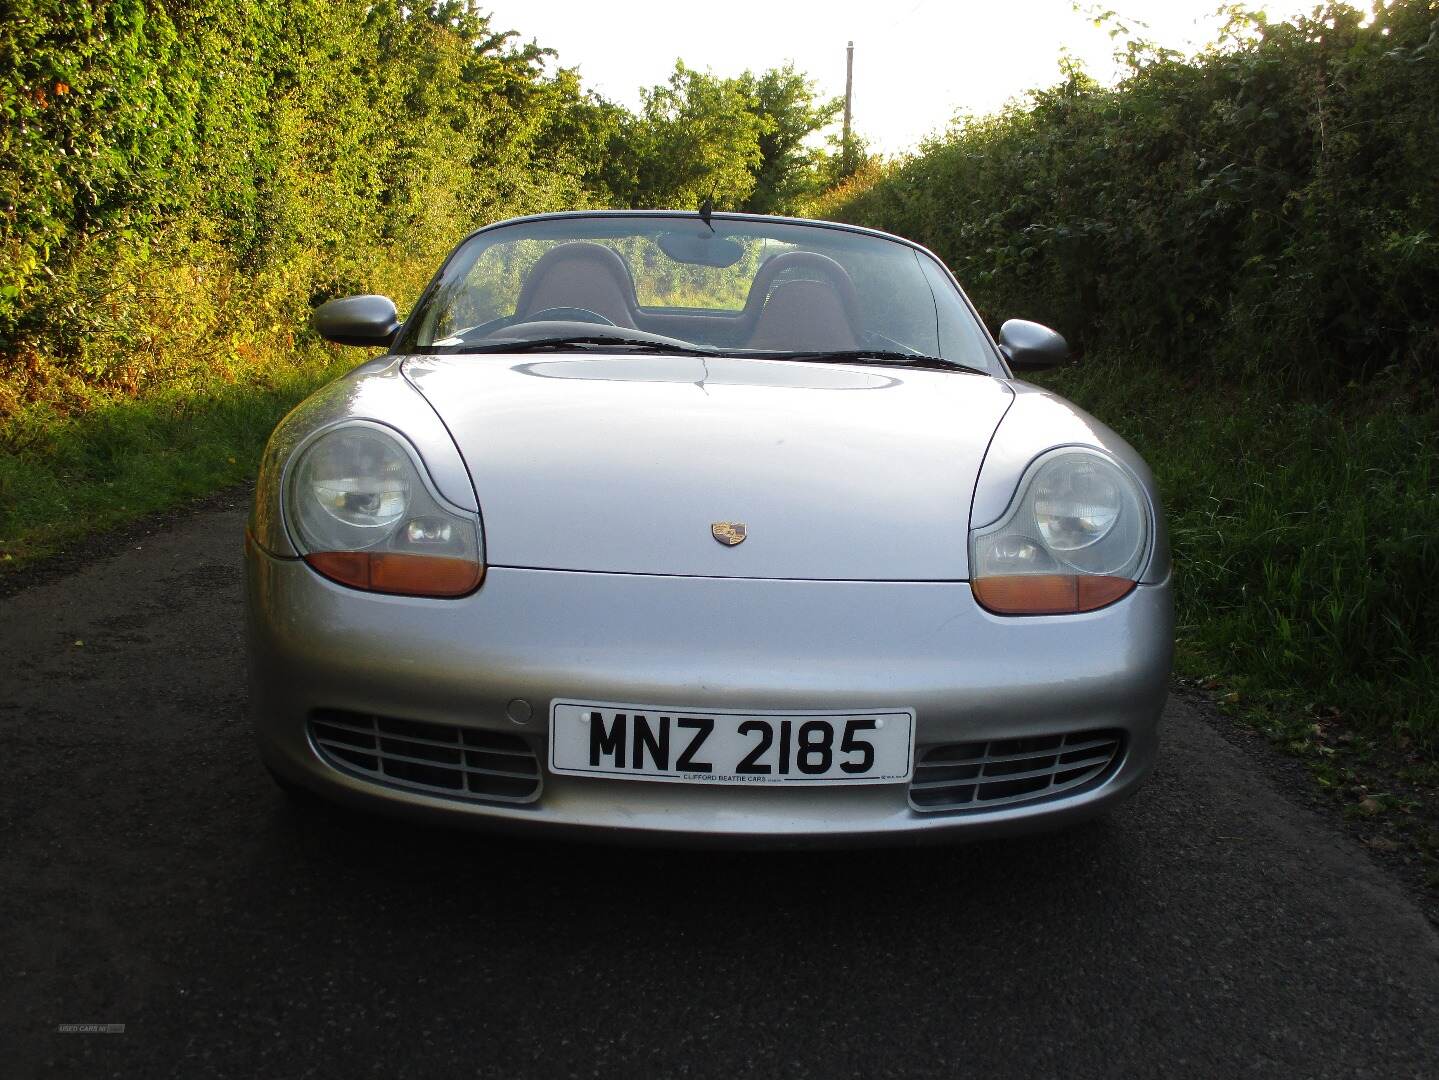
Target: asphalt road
(151, 876)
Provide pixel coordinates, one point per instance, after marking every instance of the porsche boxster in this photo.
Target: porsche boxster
(703, 526)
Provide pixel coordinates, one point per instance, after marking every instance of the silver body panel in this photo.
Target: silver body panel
(620, 463)
(538, 635)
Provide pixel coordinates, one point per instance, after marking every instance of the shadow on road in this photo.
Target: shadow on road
(458, 873)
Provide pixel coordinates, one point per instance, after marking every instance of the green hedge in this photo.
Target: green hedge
(279, 151)
(1271, 206)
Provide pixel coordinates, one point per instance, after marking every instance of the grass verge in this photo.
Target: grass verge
(72, 476)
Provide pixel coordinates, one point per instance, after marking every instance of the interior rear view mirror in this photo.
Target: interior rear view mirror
(700, 248)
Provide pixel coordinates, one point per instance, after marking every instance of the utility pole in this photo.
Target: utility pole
(848, 105)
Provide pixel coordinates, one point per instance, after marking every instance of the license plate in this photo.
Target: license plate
(637, 742)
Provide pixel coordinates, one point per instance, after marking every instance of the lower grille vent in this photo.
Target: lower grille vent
(1004, 772)
(437, 759)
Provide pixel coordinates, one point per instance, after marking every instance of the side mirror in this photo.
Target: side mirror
(358, 320)
(1028, 346)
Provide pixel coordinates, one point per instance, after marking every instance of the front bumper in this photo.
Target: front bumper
(725, 643)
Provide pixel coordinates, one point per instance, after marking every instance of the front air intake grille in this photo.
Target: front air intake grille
(1005, 772)
(437, 759)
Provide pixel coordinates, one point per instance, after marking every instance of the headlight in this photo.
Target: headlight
(361, 514)
(1074, 539)
(1076, 506)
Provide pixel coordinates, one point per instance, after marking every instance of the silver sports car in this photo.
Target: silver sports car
(703, 526)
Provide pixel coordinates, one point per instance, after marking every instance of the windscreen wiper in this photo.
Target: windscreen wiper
(643, 344)
(887, 356)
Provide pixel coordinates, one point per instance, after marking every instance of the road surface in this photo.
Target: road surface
(151, 876)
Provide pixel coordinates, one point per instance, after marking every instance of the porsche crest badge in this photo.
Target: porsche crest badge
(728, 533)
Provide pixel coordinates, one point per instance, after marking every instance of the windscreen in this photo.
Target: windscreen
(742, 286)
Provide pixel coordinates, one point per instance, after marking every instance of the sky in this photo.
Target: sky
(916, 63)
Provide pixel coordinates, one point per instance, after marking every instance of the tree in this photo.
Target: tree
(696, 138)
(742, 141)
(789, 167)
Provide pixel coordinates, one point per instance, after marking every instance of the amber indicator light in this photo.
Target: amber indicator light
(400, 574)
(1049, 594)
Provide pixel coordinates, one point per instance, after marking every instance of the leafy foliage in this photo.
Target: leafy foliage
(295, 148)
(696, 137)
(743, 142)
(790, 168)
(1268, 206)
